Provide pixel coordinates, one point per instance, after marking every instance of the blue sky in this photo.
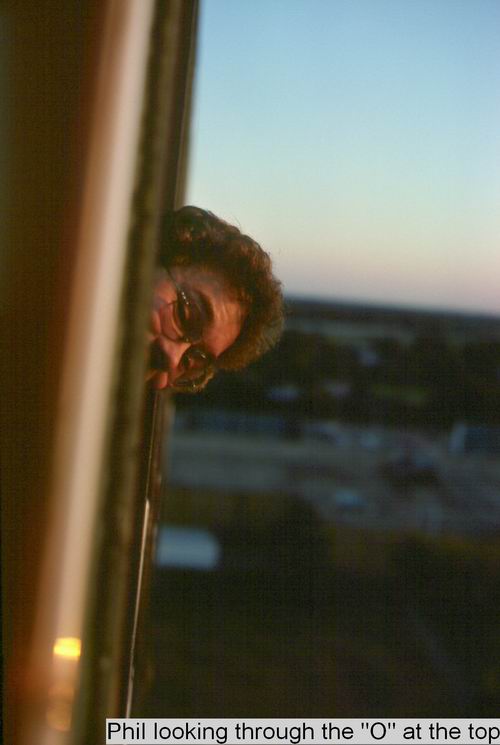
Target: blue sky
(358, 141)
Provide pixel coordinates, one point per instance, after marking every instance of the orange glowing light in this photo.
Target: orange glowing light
(68, 647)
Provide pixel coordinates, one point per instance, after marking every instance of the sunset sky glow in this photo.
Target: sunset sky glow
(358, 141)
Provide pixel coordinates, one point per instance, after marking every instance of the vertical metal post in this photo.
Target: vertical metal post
(99, 93)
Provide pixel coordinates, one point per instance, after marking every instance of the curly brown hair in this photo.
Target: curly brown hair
(195, 236)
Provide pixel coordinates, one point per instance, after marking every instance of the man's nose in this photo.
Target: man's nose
(176, 351)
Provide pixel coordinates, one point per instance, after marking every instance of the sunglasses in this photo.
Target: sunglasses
(187, 322)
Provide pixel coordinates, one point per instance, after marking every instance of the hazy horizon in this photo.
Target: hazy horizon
(390, 305)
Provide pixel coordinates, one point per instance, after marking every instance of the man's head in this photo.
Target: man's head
(217, 304)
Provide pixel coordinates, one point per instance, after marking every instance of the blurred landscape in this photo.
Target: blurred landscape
(329, 543)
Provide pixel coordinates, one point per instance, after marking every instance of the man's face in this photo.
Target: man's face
(194, 319)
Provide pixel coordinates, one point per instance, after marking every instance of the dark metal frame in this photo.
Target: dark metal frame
(49, 124)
